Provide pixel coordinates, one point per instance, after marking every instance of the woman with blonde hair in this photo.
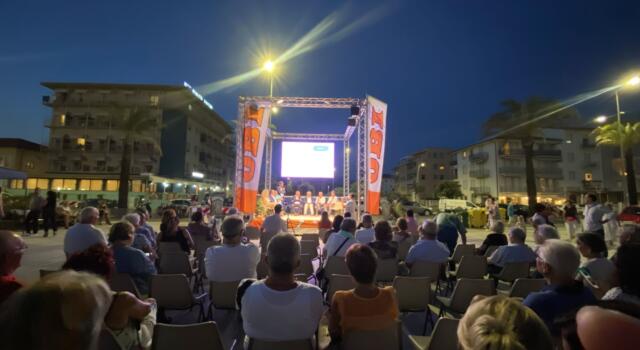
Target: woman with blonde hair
(499, 322)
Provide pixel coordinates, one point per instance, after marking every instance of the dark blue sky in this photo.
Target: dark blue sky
(442, 66)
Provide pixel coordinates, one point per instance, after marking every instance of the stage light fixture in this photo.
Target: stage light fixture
(355, 110)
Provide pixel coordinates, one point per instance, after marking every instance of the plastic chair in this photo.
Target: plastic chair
(339, 282)
(471, 266)
(302, 344)
(172, 292)
(523, 286)
(200, 336)
(464, 291)
(403, 249)
(169, 248)
(179, 263)
(336, 265)
(306, 266)
(414, 295)
(512, 271)
(388, 339)
(222, 296)
(387, 270)
(314, 237)
(444, 336)
(461, 250)
(122, 282)
(309, 247)
(490, 250)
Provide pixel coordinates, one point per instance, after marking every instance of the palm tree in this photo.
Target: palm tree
(626, 135)
(135, 124)
(522, 121)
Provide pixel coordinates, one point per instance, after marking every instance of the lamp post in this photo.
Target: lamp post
(269, 66)
(415, 188)
(631, 82)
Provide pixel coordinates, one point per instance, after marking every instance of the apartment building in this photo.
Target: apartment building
(23, 155)
(420, 174)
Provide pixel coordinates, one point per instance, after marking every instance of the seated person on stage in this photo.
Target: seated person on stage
(338, 206)
(516, 251)
(331, 200)
(428, 248)
(275, 197)
(366, 234)
(271, 226)
(367, 307)
(282, 190)
(296, 204)
(495, 238)
(279, 308)
(233, 260)
(267, 203)
(321, 201)
(309, 204)
(324, 223)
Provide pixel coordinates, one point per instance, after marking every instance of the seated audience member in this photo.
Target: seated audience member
(11, 249)
(271, 226)
(129, 320)
(197, 228)
(63, 311)
(367, 307)
(600, 270)
(146, 229)
(516, 251)
(428, 248)
(233, 260)
(324, 222)
(384, 246)
(542, 233)
(170, 231)
(335, 228)
(128, 259)
(495, 238)
(84, 234)
(366, 234)
(601, 328)
(629, 234)
(498, 322)
(402, 234)
(626, 281)
(279, 308)
(140, 240)
(412, 224)
(338, 243)
(558, 262)
(540, 216)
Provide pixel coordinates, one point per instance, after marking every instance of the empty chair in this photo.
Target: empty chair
(444, 336)
(522, 287)
(387, 270)
(302, 344)
(309, 247)
(512, 271)
(200, 336)
(462, 250)
(388, 339)
(336, 265)
(339, 282)
(464, 291)
(414, 295)
(172, 292)
(490, 250)
(252, 233)
(427, 269)
(306, 266)
(122, 282)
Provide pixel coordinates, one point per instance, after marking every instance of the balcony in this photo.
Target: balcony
(587, 144)
(479, 157)
(479, 173)
(546, 172)
(554, 154)
(480, 190)
(589, 164)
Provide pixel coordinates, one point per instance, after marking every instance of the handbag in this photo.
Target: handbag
(321, 277)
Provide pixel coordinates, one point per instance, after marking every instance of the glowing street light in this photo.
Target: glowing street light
(635, 80)
(415, 189)
(601, 119)
(269, 67)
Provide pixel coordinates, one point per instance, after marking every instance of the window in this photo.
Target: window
(112, 185)
(441, 167)
(101, 165)
(136, 186)
(69, 184)
(588, 176)
(81, 141)
(16, 184)
(37, 183)
(62, 119)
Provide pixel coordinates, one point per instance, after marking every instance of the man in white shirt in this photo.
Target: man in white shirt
(366, 234)
(516, 251)
(83, 235)
(339, 242)
(233, 260)
(271, 226)
(279, 308)
(350, 205)
(593, 212)
(428, 248)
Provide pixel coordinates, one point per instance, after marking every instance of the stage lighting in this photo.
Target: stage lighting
(352, 121)
(355, 110)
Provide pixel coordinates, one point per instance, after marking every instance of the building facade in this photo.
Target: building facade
(23, 155)
(420, 174)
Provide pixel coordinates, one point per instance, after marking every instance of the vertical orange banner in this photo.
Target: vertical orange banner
(377, 125)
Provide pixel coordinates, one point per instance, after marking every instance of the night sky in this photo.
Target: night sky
(442, 66)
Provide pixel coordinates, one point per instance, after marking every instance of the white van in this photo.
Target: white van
(452, 204)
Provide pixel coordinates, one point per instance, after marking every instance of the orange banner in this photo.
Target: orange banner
(376, 122)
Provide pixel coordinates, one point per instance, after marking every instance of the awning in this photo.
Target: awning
(6, 173)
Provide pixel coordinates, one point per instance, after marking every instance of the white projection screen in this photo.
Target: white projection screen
(308, 159)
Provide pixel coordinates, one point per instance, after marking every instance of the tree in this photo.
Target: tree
(627, 135)
(135, 124)
(524, 115)
(449, 189)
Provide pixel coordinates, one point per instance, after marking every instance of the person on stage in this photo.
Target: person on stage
(350, 205)
(296, 204)
(309, 207)
(321, 202)
(331, 201)
(281, 188)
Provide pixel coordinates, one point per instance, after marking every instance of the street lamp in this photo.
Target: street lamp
(269, 67)
(633, 81)
(415, 188)
(601, 119)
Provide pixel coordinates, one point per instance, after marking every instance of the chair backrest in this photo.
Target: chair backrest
(523, 286)
(339, 282)
(461, 250)
(252, 232)
(315, 237)
(490, 250)
(306, 265)
(336, 265)
(387, 270)
(427, 269)
(175, 263)
(403, 248)
(44, 273)
(223, 294)
(445, 335)
(199, 336)
(302, 344)
(388, 339)
(169, 248)
(171, 291)
(413, 293)
(309, 247)
(512, 271)
(262, 270)
(202, 244)
(466, 289)
(472, 266)
(122, 282)
(323, 234)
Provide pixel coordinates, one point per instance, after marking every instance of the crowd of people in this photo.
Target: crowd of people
(309, 204)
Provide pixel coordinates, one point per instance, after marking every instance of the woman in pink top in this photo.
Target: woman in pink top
(412, 225)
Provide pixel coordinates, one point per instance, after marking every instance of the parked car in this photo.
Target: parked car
(454, 204)
(181, 206)
(630, 214)
(416, 207)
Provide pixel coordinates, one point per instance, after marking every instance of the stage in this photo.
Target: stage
(294, 222)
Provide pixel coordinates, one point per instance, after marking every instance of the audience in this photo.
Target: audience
(402, 234)
(495, 238)
(558, 262)
(233, 260)
(84, 234)
(384, 246)
(272, 225)
(338, 243)
(197, 228)
(367, 307)
(449, 227)
(598, 269)
(144, 224)
(516, 251)
(170, 231)
(11, 249)
(542, 233)
(540, 216)
(366, 234)
(324, 223)
(412, 224)
(630, 233)
(128, 259)
(335, 228)
(428, 248)
(626, 281)
(140, 240)
(279, 308)
(63, 311)
(499, 322)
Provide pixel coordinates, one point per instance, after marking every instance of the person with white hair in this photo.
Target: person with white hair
(542, 233)
(516, 251)
(339, 242)
(233, 260)
(428, 248)
(495, 238)
(12, 247)
(366, 234)
(140, 240)
(558, 262)
(84, 234)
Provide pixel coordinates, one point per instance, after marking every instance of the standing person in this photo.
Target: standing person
(36, 202)
(511, 212)
(309, 207)
(449, 227)
(610, 224)
(571, 218)
(49, 214)
(412, 224)
(12, 247)
(104, 213)
(487, 205)
(541, 216)
(366, 234)
(170, 231)
(271, 226)
(282, 190)
(593, 212)
(349, 205)
(494, 212)
(84, 234)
